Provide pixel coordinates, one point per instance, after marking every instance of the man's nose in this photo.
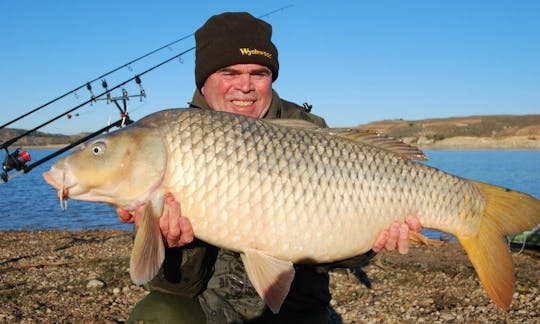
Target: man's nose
(244, 82)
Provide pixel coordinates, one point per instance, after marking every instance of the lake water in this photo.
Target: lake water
(28, 202)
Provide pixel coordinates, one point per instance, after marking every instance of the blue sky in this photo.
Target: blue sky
(354, 61)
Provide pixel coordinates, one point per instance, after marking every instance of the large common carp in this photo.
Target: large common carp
(281, 195)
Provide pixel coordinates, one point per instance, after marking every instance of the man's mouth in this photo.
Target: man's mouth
(242, 103)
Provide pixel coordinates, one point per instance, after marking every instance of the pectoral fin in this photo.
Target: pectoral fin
(271, 277)
(148, 250)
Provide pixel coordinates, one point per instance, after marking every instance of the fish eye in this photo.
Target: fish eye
(98, 148)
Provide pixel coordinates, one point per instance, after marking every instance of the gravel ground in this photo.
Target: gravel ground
(82, 277)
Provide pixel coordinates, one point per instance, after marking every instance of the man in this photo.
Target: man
(235, 65)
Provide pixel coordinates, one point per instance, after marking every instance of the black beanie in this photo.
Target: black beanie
(233, 38)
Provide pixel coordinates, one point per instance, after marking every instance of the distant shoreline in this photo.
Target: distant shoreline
(44, 147)
(453, 143)
(482, 143)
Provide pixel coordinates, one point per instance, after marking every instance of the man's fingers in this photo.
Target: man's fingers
(393, 237)
(397, 236)
(175, 228)
(187, 231)
(380, 242)
(124, 216)
(164, 221)
(413, 223)
(175, 231)
(403, 240)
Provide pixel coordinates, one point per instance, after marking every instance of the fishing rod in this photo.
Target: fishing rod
(18, 159)
(93, 98)
(276, 10)
(88, 84)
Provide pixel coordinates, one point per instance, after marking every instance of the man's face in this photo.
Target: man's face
(244, 89)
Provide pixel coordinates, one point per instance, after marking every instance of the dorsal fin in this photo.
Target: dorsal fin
(376, 139)
(293, 123)
(366, 137)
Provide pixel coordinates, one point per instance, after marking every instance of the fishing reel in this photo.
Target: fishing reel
(16, 160)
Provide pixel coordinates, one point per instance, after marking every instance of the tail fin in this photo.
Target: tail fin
(507, 212)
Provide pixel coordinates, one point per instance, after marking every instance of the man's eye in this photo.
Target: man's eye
(262, 74)
(227, 73)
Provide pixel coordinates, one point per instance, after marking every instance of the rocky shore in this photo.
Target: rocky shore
(82, 277)
(478, 143)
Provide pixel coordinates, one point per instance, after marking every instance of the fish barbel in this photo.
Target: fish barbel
(281, 195)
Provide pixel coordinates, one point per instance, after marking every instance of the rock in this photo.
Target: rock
(447, 316)
(94, 283)
(426, 302)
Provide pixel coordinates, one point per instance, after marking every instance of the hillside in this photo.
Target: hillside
(505, 131)
(36, 138)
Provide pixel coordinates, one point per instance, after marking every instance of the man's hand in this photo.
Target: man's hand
(175, 228)
(129, 217)
(397, 236)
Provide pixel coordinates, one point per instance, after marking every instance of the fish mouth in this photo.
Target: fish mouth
(58, 181)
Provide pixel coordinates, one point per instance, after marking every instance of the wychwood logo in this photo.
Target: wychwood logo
(254, 51)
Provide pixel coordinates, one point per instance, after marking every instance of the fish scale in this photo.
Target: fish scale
(279, 194)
